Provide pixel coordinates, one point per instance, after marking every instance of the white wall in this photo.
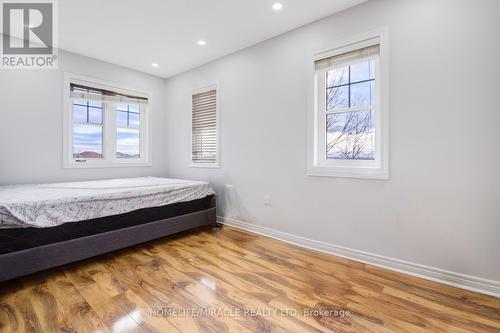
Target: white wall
(441, 205)
(31, 123)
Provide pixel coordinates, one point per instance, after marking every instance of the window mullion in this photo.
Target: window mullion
(353, 109)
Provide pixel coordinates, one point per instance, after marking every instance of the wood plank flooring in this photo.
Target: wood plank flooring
(225, 280)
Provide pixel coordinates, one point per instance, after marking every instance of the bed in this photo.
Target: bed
(48, 225)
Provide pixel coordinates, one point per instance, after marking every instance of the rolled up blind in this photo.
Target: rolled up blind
(85, 92)
(347, 57)
(204, 127)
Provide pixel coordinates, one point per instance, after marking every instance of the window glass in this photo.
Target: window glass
(87, 141)
(362, 94)
(351, 135)
(122, 106)
(79, 113)
(337, 77)
(362, 71)
(95, 115)
(134, 120)
(127, 143)
(337, 97)
(128, 130)
(87, 129)
(121, 118)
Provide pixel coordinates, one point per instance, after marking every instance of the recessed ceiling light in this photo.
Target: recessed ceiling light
(201, 42)
(154, 64)
(277, 6)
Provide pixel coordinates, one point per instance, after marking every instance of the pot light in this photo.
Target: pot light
(277, 6)
(154, 64)
(201, 42)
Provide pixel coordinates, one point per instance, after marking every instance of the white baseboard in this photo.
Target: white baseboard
(472, 283)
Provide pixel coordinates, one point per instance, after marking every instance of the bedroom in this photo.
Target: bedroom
(228, 166)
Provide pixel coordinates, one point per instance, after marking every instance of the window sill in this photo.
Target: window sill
(86, 165)
(348, 172)
(208, 166)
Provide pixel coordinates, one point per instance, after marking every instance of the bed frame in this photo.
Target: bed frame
(29, 250)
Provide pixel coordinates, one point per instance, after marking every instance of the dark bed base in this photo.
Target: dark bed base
(25, 251)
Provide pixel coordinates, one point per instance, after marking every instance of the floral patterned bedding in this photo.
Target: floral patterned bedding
(48, 205)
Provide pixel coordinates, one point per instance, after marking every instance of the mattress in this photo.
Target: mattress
(49, 205)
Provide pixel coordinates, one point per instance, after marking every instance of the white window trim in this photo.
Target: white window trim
(216, 164)
(109, 142)
(344, 169)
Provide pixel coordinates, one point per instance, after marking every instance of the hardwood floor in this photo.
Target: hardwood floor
(230, 281)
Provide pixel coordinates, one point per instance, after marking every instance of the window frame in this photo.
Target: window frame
(203, 89)
(317, 163)
(109, 127)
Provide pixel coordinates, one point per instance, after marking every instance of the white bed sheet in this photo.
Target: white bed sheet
(48, 205)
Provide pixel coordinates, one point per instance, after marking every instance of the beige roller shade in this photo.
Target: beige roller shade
(344, 58)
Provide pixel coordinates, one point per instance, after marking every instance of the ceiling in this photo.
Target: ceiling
(137, 33)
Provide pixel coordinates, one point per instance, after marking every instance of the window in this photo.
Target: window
(204, 128)
(350, 113)
(106, 126)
